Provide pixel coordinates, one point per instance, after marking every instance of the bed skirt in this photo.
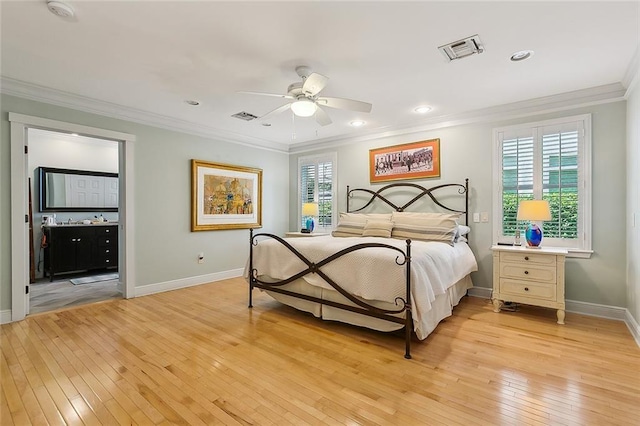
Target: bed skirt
(441, 308)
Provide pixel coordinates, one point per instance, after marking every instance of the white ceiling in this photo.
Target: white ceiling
(145, 58)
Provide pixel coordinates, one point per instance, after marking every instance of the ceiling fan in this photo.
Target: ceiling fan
(305, 101)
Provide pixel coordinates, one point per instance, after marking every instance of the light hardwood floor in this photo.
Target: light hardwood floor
(200, 356)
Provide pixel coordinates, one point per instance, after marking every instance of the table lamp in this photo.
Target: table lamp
(310, 210)
(534, 210)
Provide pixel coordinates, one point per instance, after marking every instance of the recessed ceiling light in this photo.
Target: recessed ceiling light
(521, 55)
(358, 123)
(422, 109)
(193, 103)
(60, 9)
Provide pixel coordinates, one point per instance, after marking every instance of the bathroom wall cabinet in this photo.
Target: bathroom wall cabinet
(72, 248)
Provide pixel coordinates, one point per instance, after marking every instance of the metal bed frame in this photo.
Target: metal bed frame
(403, 258)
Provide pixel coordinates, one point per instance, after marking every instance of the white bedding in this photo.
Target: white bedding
(371, 273)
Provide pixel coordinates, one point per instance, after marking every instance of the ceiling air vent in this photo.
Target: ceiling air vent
(462, 48)
(245, 116)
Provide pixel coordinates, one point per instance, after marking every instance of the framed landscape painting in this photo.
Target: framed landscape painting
(416, 160)
(225, 196)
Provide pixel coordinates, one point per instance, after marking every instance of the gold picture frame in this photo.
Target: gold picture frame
(225, 196)
(415, 160)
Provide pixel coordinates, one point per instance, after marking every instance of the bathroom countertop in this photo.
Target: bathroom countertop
(81, 224)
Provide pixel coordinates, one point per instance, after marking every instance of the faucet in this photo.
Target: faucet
(69, 221)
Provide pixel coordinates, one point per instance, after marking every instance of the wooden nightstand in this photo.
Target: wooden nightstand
(529, 276)
(302, 234)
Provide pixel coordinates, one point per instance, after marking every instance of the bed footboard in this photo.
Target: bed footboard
(403, 259)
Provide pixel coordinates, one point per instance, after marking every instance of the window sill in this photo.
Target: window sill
(579, 253)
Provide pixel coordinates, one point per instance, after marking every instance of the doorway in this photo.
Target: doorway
(74, 198)
(20, 125)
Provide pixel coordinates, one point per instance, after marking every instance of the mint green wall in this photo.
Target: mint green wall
(466, 152)
(165, 248)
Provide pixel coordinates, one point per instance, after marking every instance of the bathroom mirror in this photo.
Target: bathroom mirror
(67, 190)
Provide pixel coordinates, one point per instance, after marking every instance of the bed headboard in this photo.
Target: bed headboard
(383, 193)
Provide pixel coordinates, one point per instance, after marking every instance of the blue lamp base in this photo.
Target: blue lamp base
(533, 235)
(310, 224)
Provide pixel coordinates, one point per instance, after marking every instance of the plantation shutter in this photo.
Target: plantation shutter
(560, 180)
(548, 160)
(517, 179)
(316, 184)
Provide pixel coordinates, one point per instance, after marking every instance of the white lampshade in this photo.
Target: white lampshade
(310, 209)
(304, 107)
(536, 210)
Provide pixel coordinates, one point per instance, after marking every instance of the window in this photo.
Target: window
(550, 160)
(316, 183)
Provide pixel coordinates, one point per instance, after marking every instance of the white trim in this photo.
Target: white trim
(592, 96)
(314, 160)
(584, 172)
(481, 292)
(187, 282)
(595, 310)
(5, 316)
(633, 326)
(19, 259)
(562, 102)
(630, 78)
(37, 93)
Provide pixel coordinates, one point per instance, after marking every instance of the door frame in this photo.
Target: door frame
(19, 204)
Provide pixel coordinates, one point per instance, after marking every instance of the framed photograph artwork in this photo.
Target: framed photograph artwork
(225, 196)
(415, 160)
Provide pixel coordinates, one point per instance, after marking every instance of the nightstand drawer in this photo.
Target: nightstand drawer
(542, 274)
(528, 258)
(520, 288)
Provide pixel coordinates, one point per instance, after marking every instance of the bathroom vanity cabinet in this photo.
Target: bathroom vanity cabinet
(72, 248)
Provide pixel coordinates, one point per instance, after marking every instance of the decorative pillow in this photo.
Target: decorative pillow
(378, 228)
(424, 233)
(425, 227)
(348, 228)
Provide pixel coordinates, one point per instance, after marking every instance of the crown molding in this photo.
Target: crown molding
(564, 101)
(38, 93)
(569, 100)
(632, 75)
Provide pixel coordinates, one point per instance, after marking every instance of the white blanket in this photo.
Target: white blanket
(372, 273)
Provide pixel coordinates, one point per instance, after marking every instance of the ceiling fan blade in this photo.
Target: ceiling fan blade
(314, 84)
(276, 111)
(268, 94)
(342, 103)
(322, 117)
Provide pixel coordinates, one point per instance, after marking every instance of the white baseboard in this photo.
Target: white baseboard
(5, 316)
(633, 325)
(584, 308)
(481, 292)
(187, 282)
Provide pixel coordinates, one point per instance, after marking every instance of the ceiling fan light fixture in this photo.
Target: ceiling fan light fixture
(304, 107)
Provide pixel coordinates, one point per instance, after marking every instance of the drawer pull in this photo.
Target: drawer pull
(78, 239)
(526, 272)
(73, 240)
(526, 258)
(107, 241)
(106, 230)
(109, 261)
(107, 251)
(525, 289)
